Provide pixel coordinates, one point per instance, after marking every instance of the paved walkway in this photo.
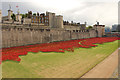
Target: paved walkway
(115, 74)
(104, 69)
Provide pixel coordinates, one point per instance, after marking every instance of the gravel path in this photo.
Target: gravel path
(115, 73)
(105, 69)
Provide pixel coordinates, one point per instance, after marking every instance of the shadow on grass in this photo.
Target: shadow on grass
(45, 52)
(10, 61)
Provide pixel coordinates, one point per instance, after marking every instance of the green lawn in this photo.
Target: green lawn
(58, 65)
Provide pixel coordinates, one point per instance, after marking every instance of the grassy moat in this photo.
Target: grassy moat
(58, 65)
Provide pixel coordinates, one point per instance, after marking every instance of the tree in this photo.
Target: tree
(26, 15)
(23, 16)
(13, 16)
(89, 27)
(34, 14)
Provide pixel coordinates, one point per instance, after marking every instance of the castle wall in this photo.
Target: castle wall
(26, 21)
(92, 33)
(69, 27)
(99, 29)
(18, 36)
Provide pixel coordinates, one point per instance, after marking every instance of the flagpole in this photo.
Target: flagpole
(18, 9)
(9, 7)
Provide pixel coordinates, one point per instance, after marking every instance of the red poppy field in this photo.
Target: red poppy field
(14, 52)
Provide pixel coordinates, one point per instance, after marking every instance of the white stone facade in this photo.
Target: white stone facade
(10, 12)
(18, 17)
(27, 21)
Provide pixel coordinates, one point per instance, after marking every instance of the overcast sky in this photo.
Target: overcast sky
(104, 11)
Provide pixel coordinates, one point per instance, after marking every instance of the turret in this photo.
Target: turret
(18, 16)
(29, 14)
(10, 12)
(100, 29)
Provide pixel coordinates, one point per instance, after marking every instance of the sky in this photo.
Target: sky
(90, 11)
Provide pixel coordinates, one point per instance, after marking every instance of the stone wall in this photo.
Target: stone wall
(69, 27)
(18, 36)
(93, 33)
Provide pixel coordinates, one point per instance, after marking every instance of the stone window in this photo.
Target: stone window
(27, 29)
(31, 29)
(41, 30)
(76, 30)
(47, 29)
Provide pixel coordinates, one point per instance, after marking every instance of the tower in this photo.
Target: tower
(51, 18)
(100, 29)
(18, 16)
(58, 23)
(29, 14)
(55, 21)
(10, 12)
